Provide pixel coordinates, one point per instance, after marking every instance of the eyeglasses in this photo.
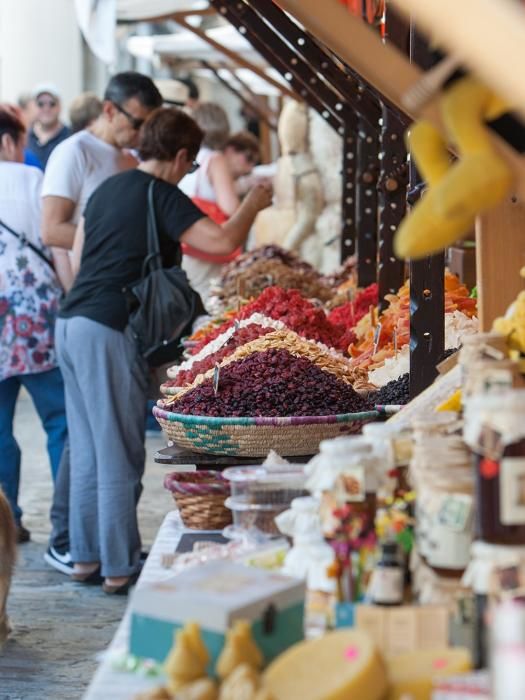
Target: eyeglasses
(193, 167)
(135, 123)
(46, 103)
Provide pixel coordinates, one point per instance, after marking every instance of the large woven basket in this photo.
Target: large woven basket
(255, 437)
(200, 498)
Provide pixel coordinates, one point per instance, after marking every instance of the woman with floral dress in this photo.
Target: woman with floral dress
(29, 296)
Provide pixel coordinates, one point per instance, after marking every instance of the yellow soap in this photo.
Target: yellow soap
(340, 665)
(411, 674)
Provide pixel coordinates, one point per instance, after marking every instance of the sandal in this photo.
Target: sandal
(123, 589)
(94, 578)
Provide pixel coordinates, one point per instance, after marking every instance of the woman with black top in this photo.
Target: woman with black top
(104, 375)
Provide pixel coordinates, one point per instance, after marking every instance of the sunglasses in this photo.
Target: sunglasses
(46, 103)
(194, 167)
(134, 122)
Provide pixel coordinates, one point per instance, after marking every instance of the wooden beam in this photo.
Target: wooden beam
(382, 65)
(236, 58)
(500, 254)
(487, 36)
(238, 94)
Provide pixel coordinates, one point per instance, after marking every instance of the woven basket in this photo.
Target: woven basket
(255, 437)
(200, 498)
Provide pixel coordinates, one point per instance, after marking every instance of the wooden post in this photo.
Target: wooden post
(500, 254)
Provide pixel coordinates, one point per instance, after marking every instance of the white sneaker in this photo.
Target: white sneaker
(60, 562)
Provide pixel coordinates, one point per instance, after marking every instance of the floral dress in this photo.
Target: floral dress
(29, 289)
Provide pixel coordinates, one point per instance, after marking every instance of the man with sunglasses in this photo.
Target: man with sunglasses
(75, 170)
(47, 130)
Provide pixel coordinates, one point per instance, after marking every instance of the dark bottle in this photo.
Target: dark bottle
(387, 581)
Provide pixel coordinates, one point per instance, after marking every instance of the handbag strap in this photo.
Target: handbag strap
(24, 240)
(153, 259)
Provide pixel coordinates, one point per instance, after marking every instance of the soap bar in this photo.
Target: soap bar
(411, 675)
(340, 665)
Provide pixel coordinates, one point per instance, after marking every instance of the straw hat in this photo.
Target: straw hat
(173, 92)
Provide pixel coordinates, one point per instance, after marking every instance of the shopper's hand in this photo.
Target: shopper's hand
(260, 196)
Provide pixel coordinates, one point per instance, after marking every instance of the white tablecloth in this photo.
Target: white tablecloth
(108, 684)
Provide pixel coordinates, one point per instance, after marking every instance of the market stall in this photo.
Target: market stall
(367, 536)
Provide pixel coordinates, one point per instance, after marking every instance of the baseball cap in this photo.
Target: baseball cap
(173, 92)
(47, 89)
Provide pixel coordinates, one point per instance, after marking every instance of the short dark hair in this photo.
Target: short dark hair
(124, 86)
(11, 122)
(192, 87)
(244, 142)
(166, 131)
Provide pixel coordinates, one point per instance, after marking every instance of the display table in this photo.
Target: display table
(178, 456)
(108, 683)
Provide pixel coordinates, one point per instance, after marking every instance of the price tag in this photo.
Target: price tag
(377, 336)
(395, 344)
(216, 374)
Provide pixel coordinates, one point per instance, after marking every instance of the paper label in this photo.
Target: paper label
(455, 512)
(387, 585)
(512, 491)
(350, 486)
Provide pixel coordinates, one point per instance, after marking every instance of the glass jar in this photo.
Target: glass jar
(441, 472)
(392, 444)
(344, 473)
(476, 348)
(495, 432)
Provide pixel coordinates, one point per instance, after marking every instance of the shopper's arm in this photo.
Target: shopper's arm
(207, 236)
(57, 228)
(78, 247)
(63, 268)
(223, 184)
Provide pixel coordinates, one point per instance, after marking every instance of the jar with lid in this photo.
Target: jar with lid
(442, 475)
(495, 432)
(387, 580)
(392, 444)
(476, 348)
(344, 472)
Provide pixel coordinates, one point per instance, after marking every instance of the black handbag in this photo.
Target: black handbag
(167, 305)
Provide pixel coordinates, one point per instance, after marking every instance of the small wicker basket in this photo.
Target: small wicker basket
(200, 498)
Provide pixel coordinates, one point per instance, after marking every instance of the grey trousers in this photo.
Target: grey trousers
(59, 538)
(106, 385)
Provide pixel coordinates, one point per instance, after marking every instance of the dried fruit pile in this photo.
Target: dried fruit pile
(396, 318)
(318, 354)
(271, 383)
(350, 313)
(396, 392)
(268, 252)
(241, 337)
(265, 273)
(297, 313)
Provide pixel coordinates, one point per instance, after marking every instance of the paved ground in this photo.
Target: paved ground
(60, 626)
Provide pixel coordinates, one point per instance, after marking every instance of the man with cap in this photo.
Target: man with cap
(47, 130)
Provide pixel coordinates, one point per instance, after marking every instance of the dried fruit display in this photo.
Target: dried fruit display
(396, 392)
(265, 273)
(374, 346)
(271, 383)
(241, 337)
(351, 312)
(320, 355)
(297, 313)
(268, 252)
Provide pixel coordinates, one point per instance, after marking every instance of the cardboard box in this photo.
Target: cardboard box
(214, 595)
(404, 628)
